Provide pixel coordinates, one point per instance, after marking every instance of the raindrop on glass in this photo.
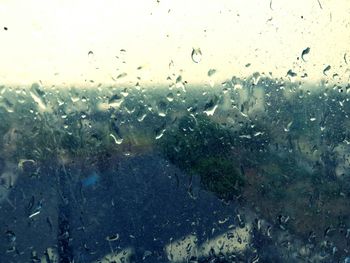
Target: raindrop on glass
(170, 97)
(210, 107)
(160, 133)
(291, 73)
(162, 108)
(115, 101)
(211, 72)
(38, 96)
(118, 140)
(304, 53)
(196, 55)
(141, 116)
(122, 75)
(326, 69)
(112, 237)
(7, 105)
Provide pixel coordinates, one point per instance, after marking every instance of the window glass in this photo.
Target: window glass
(174, 131)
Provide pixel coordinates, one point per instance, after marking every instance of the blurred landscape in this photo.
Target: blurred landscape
(252, 170)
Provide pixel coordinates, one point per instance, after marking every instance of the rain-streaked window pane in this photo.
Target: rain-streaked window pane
(174, 131)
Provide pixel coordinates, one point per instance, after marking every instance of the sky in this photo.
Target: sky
(151, 42)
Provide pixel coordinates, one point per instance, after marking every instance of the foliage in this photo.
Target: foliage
(199, 146)
(220, 176)
(193, 139)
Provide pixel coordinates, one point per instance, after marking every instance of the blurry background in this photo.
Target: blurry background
(50, 41)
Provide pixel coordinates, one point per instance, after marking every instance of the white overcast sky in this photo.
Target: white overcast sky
(49, 40)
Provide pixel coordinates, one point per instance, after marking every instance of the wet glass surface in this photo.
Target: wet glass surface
(175, 132)
(219, 176)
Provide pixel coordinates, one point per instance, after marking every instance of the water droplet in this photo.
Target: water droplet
(125, 92)
(245, 136)
(160, 131)
(141, 116)
(180, 84)
(223, 221)
(112, 237)
(118, 140)
(162, 107)
(170, 97)
(35, 213)
(237, 87)
(304, 53)
(211, 72)
(291, 73)
(211, 106)
(255, 259)
(38, 96)
(74, 98)
(258, 134)
(240, 221)
(256, 78)
(288, 126)
(7, 105)
(137, 86)
(122, 75)
(178, 79)
(326, 69)
(146, 254)
(196, 55)
(115, 101)
(211, 110)
(304, 75)
(336, 76)
(27, 165)
(11, 236)
(312, 119)
(160, 134)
